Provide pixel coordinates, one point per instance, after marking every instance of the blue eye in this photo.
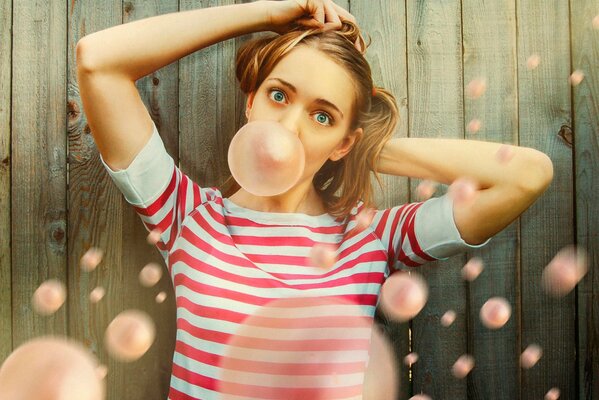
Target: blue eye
(330, 119)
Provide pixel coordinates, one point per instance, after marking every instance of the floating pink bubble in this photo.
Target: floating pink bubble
(129, 335)
(576, 77)
(160, 297)
(552, 394)
(97, 294)
(421, 397)
(533, 61)
(364, 218)
(463, 366)
(463, 191)
(505, 154)
(425, 190)
(495, 312)
(102, 371)
(476, 88)
(474, 125)
(316, 348)
(49, 297)
(323, 255)
(472, 269)
(91, 259)
(530, 356)
(51, 368)
(596, 22)
(403, 295)
(410, 359)
(150, 274)
(265, 158)
(448, 318)
(564, 271)
(154, 236)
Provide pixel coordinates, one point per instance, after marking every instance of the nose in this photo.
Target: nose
(290, 119)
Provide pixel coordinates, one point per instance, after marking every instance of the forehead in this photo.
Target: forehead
(315, 75)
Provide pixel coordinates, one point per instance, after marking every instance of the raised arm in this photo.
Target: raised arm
(506, 189)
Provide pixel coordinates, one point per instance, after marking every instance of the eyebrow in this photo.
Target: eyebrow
(317, 101)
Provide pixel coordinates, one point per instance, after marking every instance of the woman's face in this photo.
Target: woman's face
(322, 128)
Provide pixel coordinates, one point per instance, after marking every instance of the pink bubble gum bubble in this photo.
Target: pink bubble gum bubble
(91, 259)
(51, 368)
(476, 88)
(323, 255)
(425, 190)
(533, 61)
(576, 77)
(160, 297)
(505, 153)
(265, 158)
(462, 366)
(129, 335)
(420, 397)
(463, 191)
(530, 356)
(49, 297)
(97, 294)
(474, 125)
(552, 394)
(154, 236)
(410, 358)
(472, 269)
(564, 271)
(325, 344)
(403, 295)
(448, 318)
(150, 274)
(495, 312)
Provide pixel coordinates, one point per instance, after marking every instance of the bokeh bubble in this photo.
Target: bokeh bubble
(101, 371)
(463, 191)
(150, 274)
(425, 190)
(462, 366)
(265, 158)
(403, 295)
(448, 318)
(476, 88)
(474, 125)
(564, 271)
(90, 260)
(410, 358)
(51, 368)
(160, 297)
(552, 394)
(533, 61)
(308, 348)
(323, 255)
(49, 297)
(421, 396)
(472, 269)
(530, 356)
(576, 77)
(97, 294)
(495, 312)
(129, 335)
(596, 22)
(154, 236)
(505, 153)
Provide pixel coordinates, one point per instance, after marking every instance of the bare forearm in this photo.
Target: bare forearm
(444, 160)
(141, 47)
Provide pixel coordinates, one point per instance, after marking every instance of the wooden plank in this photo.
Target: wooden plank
(38, 179)
(585, 56)
(436, 110)
(544, 107)
(493, 57)
(5, 179)
(387, 58)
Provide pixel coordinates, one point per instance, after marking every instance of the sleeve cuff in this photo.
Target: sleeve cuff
(436, 230)
(148, 174)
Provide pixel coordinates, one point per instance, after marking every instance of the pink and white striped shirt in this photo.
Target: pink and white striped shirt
(228, 262)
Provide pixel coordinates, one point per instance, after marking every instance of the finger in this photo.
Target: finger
(331, 16)
(319, 14)
(344, 14)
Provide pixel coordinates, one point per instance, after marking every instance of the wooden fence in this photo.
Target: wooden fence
(56, 200)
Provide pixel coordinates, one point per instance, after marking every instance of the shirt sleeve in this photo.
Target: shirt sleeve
(160, 193)
(416, 233)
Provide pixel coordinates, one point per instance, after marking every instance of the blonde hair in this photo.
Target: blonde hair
(377, 114)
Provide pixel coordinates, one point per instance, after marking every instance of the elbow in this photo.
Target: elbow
(82, 56)
(540, 173)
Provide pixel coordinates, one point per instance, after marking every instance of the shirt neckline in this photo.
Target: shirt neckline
(274, 216)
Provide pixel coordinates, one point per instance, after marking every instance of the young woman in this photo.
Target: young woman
(231, 253)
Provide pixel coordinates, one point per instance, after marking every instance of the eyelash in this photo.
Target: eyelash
(331, 119)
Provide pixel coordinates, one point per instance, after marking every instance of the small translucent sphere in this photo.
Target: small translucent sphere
(530, 356)
(91, 259)
(49, 297)
(421, 397)
(403, 295)
(463, 366)
(476, 88)
(160, 297)
(596, 22)
(472, 269)
(129, 335)
(463, 191)
(410, 358)
(425, 190)
(154, 236)
(51, 368)
(265, 158)
(576, 77)
(533, 61)
(564, 271)
(448, 318)
(323, 255)
(505, 154)
(474, 125)
(102, 371)
(552, 394)
(97, 294)
(150, 274)
(495, 312)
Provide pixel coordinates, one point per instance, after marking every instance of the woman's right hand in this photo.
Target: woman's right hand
(287, 15)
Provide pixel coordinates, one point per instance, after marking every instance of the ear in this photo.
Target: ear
(249, 104)
(346, 144)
